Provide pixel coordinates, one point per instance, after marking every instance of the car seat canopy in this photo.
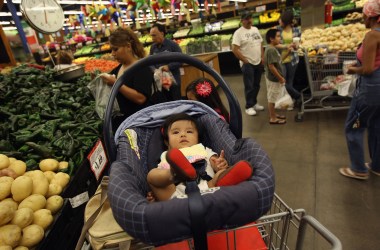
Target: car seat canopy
(159, 223)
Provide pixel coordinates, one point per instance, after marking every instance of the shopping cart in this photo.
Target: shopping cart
(324, 71)
(282, 228)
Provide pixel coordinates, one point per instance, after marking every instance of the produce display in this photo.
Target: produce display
(101, 65)
(28, 200)
(211, 43)
(340, 38)
(270, 16)
(51, 119)
(231, 24)
(359, 3)
(181, 33)
(210, 27)
(85, 50)
(197, 30)
(353, 17)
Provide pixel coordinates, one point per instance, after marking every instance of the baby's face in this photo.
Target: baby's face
(182, 134)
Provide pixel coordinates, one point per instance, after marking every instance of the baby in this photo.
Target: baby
(181, 135)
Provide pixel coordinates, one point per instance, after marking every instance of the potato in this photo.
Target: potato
(49, 165)
(4, 247)
(35, 202)
(10, 235)
(21, 188)
(11, 160)
(6, 214)
(63, 165)
(61, 179)
(31, 236)
(21, 248)
(19, 167)
(4, 161)
(54, 189)
(49, 175)
(40, 183)
(5, 186)
(54, 203)
(23, 217)
(43, 218)
(10, 203)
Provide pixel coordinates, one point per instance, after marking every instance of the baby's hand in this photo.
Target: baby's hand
(221, 162)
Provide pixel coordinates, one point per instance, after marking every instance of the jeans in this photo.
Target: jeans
(369, 117)
(251, 78)
(290, 71)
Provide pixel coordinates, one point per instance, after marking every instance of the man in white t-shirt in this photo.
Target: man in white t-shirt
(247, 46)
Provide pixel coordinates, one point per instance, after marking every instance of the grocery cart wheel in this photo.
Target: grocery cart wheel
(298, 118)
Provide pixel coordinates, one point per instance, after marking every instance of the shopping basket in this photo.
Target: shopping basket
(324, 74)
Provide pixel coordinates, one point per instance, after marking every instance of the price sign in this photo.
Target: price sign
(261, 8)
(98, 159)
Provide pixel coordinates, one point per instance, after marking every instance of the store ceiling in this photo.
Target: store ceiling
(69, 7)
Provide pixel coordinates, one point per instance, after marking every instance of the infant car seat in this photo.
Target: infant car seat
(136, 147)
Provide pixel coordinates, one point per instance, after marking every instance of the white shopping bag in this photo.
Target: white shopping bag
(284, 101)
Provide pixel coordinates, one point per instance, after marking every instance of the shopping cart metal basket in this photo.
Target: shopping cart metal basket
(324, 71)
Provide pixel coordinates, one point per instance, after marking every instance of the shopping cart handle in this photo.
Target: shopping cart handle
(324, 232)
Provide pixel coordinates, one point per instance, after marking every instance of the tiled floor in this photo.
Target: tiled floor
(306, 157)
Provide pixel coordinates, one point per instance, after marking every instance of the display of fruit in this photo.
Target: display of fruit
(105, 46)
(232, 23)
(28, 201)
(270, 16)
(181, 33)
(353, 17)
(359, 3)
(340, 38)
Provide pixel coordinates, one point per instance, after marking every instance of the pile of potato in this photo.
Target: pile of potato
(339, 38)
(28, 201)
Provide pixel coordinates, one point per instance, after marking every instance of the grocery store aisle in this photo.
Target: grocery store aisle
(306, 157)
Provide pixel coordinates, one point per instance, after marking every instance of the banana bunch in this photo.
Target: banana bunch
(269, 17)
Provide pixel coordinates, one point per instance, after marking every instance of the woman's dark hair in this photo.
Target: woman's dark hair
(160, 27)
(64, 57)
(271, 34)
(177, 117)
(210, 97)
(124, 36)
(287, 18)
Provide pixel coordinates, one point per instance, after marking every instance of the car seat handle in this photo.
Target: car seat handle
(165, 58)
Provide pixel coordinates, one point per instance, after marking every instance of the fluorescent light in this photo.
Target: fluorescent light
(9, 14)
(9, 28)
(5, 23)
(72, 12)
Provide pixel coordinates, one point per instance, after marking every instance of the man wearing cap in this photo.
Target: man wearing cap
(247, 46)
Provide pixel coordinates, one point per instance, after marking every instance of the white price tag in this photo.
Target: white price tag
(98, 159)
(79, 199)
(182, 71)
(261, 8)
(226, 48)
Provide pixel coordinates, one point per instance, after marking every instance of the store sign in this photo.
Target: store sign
(98, 159)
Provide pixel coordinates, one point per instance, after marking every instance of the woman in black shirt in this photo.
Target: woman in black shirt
(134, 94)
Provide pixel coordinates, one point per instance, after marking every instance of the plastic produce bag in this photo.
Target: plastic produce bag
(347, 86)
(163, 79)
(101, 92)
(284, 101)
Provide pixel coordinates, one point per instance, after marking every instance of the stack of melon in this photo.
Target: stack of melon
(28, 200)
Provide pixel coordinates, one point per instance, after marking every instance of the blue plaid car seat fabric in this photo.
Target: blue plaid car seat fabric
(159, 223)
